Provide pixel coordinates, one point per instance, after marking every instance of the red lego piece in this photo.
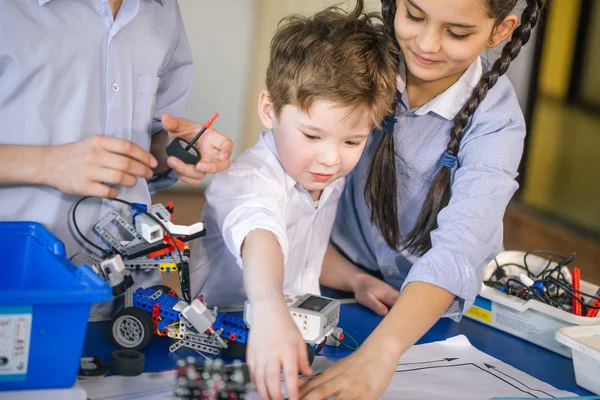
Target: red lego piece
(160, 253)
(155, 316)
(180, 245)
(171, 209)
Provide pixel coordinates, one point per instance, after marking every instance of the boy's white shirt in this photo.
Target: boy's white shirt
(257, 193)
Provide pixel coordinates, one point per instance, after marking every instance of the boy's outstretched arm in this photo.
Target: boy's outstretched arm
(275, 343)
(91, 167)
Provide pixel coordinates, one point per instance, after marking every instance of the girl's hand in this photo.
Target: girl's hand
(92, 166)
(363, 375)
(214, 149)
(275, 343)
(374, 293)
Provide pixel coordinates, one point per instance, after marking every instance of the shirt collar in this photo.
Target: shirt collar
(161, 2)
(448, 103)
(270, 140)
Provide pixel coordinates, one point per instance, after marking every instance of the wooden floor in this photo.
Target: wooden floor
(523, 231)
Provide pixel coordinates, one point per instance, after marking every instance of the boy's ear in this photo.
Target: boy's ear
(503, 30)
(266, 111)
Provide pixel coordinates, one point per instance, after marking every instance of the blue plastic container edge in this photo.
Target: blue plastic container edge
(97, 290)
(36, 230)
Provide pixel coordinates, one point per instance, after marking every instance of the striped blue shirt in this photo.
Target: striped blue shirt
(470, 228)
(69, 70)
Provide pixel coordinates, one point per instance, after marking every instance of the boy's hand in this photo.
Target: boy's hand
(374, 293)
(88, 167)
(275, 343)
(214, 148)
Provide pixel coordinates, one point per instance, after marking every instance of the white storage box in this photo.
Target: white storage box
(531, 320)
(585, 344)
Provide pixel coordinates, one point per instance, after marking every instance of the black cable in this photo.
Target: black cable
(184, 290)
(105, 253)
(528, 290)
(563, 261)
(552, 279)
(572, 291)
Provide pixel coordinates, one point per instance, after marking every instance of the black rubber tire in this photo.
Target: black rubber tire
(145, 321)
(92, 367)
(177, 149)
(127, 362)
(164, 288)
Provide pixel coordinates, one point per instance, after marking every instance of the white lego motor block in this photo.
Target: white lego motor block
(114, 270)
(150, 230)
(315, 316)
(199, 316)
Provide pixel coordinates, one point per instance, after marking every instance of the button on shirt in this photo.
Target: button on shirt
(470, 228)
(69, 70)
(257, 193)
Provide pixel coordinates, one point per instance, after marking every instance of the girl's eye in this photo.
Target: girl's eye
(310, 137)
(412, 17)
(458, 37)
(351, 143)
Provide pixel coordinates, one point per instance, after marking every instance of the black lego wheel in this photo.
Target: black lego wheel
(127, 362)
(131, 328)
(164, 288)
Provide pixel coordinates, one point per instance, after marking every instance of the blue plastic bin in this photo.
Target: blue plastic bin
(44, 308)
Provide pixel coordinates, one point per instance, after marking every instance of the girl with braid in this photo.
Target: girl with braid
(423, 209)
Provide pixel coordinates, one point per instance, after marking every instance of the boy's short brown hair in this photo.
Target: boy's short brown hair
(344, 57)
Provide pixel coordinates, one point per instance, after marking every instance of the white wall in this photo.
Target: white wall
(221, 38)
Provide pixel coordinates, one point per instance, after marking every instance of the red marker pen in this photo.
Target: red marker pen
(576, 286)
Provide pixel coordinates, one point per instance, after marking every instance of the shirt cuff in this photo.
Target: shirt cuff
(156, 126)
(162, 181)
(463, 287)
(234, 236)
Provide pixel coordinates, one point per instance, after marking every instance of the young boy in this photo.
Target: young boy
(330, 81)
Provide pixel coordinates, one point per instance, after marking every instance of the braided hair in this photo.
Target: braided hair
(380, 188)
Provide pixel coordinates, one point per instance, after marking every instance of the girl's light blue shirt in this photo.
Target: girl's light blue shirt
(470, 228)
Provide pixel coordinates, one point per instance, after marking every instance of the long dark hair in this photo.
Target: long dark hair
(380, 188)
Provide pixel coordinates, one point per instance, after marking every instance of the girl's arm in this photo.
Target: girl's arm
(370, 369)
(339, 273)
